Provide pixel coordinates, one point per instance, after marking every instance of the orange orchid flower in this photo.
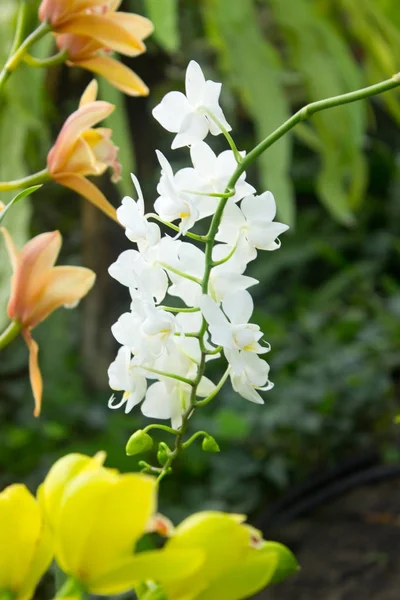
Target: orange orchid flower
(38, 288)
(81, 150)
(90, 29)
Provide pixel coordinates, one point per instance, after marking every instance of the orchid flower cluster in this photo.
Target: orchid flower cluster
(204, 274)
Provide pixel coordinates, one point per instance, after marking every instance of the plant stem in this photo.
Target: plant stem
(51, 61)
(169, 375)
(193, 236)
(9, 334)
(25, 182)
(301, 115)
(19, 48)
(175, 309)
(180, 273)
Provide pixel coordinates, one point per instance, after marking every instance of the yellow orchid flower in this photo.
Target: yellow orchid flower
(38, 288)
(25, 541)
(89, 29)
(97, 515)
(81, 150)
(238, 563)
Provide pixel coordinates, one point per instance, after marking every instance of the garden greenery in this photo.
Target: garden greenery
(189, 305)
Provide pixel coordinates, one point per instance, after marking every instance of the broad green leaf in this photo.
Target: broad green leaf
(17, 198)
(328, 69)
(164, 14)
(253, 68)
(122, 137)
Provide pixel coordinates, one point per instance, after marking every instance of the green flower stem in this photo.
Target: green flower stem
(170, 375)
(181, 273)
(215, 263)
(71, 587)
(51, 61)
(228, 137)
(25, 182)
(162, 428)
(218, 387)
(301, 115)
(10, 334)
(211, 194)
(193, 236)
(19, 49)
(193, 438)
(174, 309)
(216, 350)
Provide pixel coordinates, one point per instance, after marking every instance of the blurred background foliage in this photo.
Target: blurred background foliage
(329, 300)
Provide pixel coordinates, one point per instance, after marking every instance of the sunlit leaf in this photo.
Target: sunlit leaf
(164, 14)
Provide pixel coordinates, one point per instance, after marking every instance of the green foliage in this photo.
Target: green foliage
(164, 14)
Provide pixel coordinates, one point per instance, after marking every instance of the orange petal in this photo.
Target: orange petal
(86, 188)
(90, 93)
(35, 260)
(82, 159)
(34, 371)
(103, 29)
(12, 250)
(64, 286)
(136, 25)
(82, 119)
(55, 11)
(116, 73)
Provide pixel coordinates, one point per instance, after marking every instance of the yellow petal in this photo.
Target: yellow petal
(90, 93)
(88, 190)
(60, 475)
(12, 250)
(34, 371)
(116, 73)
(82, 160)
(157, 565)
(82, 119)
(101, 517)
(244, 580)
(63, 286)
(103, 29)
(136, 25)
(26, 547)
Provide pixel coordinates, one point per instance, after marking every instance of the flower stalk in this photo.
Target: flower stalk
(9, 334)
(25, 182)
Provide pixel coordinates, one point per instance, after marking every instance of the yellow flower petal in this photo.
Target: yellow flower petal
(103, 29)
(90, 93)
(116, 73)
(88, 190)
(157, 565)
(12, 251)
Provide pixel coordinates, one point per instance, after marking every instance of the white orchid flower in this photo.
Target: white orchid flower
(125, 376)
(191, 116)
(214, 173)
(131, 214)
(254, 220)
(230, 328)
(249, 374)
(133, 271)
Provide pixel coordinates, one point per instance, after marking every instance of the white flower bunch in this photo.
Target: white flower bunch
(165, 347)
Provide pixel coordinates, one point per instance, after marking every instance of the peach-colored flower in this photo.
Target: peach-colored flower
(90, 29)
(81, 150)
(38, 288)
(88, 54)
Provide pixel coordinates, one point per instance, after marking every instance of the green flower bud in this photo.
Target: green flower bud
(209, 444)
(163, 453)
(287, 563)
(140, 441)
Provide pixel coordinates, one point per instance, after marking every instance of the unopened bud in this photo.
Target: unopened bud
(209, 444)
(140, 441)
(163, 453)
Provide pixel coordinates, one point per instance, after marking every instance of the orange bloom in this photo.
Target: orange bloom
(38, 288)
(90, 29)
(80, 150)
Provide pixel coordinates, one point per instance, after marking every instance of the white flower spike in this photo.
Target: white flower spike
(192, 116)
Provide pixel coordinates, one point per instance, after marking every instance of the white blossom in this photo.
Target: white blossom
(254, 221)
(190, 116)
(249, 374)
(125, 376)
(131, 214)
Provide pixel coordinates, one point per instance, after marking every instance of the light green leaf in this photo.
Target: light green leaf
(118, 121)
(164, 14)
(254, 69)
(17, 198)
